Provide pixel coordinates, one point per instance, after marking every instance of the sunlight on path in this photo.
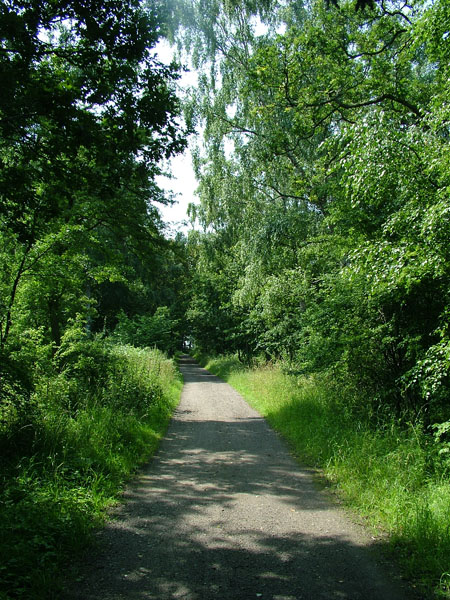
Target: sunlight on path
(223, 511)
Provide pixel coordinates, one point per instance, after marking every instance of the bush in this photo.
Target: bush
(86, 430)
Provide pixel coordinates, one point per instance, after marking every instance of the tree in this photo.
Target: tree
(86, 113)
(324, 168)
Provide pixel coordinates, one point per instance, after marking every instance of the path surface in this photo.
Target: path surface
(223, 511)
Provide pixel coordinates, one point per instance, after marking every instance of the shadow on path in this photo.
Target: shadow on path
(224, 512)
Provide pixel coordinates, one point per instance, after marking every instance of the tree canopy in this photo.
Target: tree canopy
(324, 190)
(323, 183)
(87, 112)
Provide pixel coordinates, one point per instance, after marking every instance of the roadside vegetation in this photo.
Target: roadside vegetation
(394, 474)
(67, 450)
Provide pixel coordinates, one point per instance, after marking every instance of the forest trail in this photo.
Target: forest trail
(223, 511)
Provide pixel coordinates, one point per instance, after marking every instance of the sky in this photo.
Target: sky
(183, 185)
(183, 182)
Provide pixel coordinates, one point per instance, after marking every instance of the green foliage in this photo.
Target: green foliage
(212, 319)
(324, 178)
(442, 441)
(159, 330)
(87, 112)
(393, 474)
(68, 453)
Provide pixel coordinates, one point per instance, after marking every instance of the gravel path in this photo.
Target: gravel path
(223, 511)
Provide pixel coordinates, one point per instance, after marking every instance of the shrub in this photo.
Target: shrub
(83, 431)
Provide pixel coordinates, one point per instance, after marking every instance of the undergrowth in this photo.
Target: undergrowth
(66, 457)
(391, 471)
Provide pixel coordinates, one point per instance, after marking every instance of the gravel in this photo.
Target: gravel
(224, 511)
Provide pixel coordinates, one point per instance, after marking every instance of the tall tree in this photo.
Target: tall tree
(87, 111)
(324, 167)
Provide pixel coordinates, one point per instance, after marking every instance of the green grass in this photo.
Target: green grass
(65, 466)
(391, 474)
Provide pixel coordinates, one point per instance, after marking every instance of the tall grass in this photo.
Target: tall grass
(66, 459)
(391, 472)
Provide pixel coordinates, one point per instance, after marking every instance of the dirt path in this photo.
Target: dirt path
(223, 511)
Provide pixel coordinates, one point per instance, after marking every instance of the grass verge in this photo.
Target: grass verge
(67, 462)
(392, 474)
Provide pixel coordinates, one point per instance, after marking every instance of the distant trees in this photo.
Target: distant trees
(324, 191)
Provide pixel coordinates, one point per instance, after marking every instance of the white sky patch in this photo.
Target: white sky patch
(183, 182)
(260, 28)
(182, 185)
(166, 53)
(231, 111)
(228, 147)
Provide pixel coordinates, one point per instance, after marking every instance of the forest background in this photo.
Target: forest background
(323, 251)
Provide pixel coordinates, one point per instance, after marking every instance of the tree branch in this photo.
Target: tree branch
(381, 99)
(375, 52)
